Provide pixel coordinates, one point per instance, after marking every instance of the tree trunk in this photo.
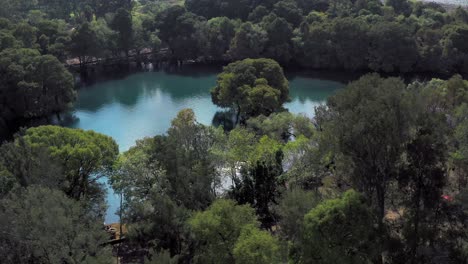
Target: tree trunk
(238, 114)
(380, 192)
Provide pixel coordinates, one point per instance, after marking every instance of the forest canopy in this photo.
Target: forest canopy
(378, 175)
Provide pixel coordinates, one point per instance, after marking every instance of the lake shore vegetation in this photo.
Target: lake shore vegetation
(379, 175)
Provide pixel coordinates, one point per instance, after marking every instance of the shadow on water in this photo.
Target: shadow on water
(226, 119)
(335, 76)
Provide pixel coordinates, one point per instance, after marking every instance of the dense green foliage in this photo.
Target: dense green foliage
(395, 36)
(339, 231)
(379, 175)
(51, 205)
(41, 225)
(251, 87)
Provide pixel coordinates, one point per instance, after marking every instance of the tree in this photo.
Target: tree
(430, 50)
(33, 85)
(392, 48)
(122, 24)
(282, 126)
(370, 145)
(7, 181)
(219, 8)
(26, 34)
(135, 176)
(400, 6)
(185, 155)
(295, 203)
(163, 257)
(218, 229)
(255, 246)
(279, 45)
(84, 44)
(258, 14)
(461, 15)
(103, 7)
(454, 48)
(339, 231)
(251, 87)
(233, 150)
(313, 45)
(460, 155)
(290, 11)
(219, 32)
(260, 182)
(83, 155)
(23, 165)
(350, 34)
(42, 225)
(163, 179)
(178, 29)
(249, 42)
(57, 8)
(7, 40)
(422, 181)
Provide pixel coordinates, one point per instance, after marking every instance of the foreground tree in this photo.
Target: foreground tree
(256, 246)
(251, 87)
(260, 183)
(41, 225)
(219, 227)
(371, 144)
(24, 165)
(172, 175)
(339, 231)
(368, 147)
(83, 156)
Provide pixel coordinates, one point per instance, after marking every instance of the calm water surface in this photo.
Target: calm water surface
(144, 104)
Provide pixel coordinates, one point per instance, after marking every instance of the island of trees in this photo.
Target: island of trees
(395, 37)
(379, 175)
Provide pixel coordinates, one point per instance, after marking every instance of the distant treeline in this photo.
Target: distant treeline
(398, 36)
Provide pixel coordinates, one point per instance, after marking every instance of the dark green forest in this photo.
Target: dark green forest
(379, 175)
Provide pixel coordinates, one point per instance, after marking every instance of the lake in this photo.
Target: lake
(143, 105)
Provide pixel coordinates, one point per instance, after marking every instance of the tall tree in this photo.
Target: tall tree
(84, 44)
(279, 45)
(392, 48)
(249, 42)
(256, 246)
(83, 155)
(339, 231)
(178, 29)
(33, 85)
(370, 145)
(122, 24)
(42, 225)
(219, 32)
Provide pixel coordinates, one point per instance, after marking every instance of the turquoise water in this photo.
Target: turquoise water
(143, 105)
